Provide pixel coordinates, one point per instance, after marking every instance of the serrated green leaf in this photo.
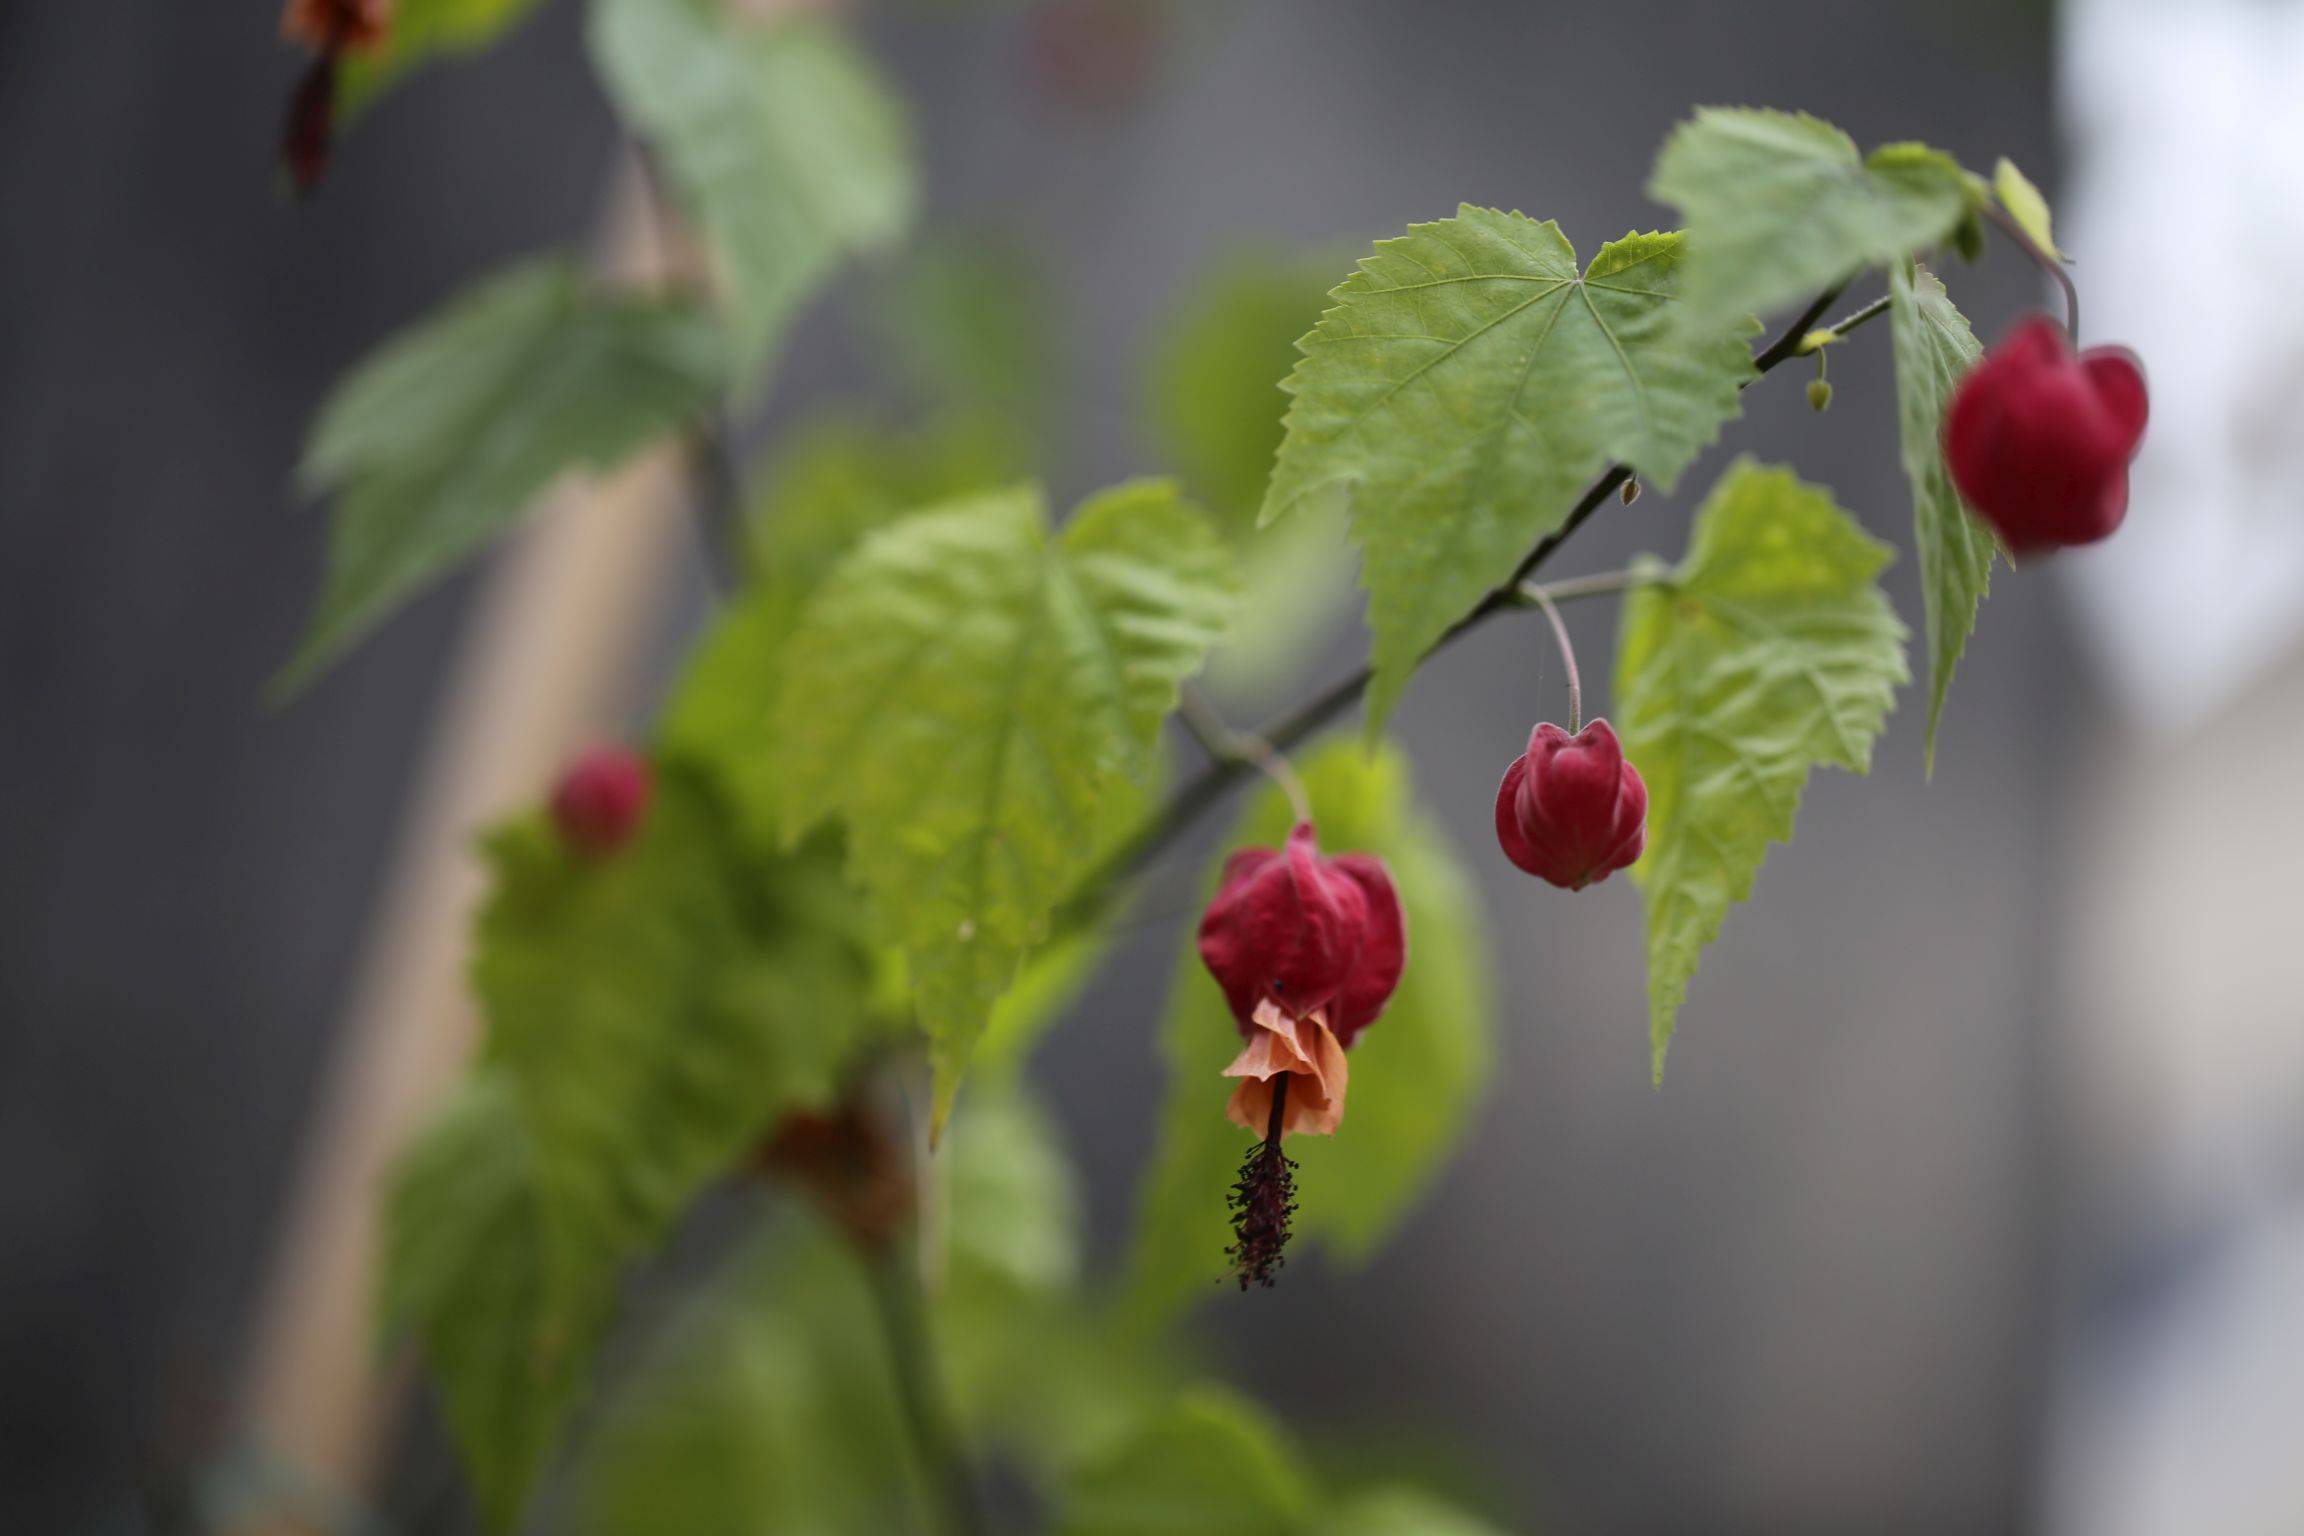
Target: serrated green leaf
(422, 30)
(1418, 1073)
(654, 1011)
(964, 691)
(445, 436)
(1210, 1464)
(466, 1273)
(1769, 649)
(785, 142)
(1934, 347)
(1778, 206)
(1468, 385)
(2025, 205)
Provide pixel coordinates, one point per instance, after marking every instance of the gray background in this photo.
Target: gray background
(1802, 1289)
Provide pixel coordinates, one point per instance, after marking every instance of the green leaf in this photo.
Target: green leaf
(786, 144)
(445, 437)
(1468, 385)
(466, 1273)
(767, 1405)
(1402, 1512)
(964, 691)
(1213, 405)
(2025, 205)
(1934, 347)
(657, 1009)
(1208, 1464)
(1779, 206)
(967, 322)
(1769, 649)
(420, 31)
(830, 484)
(1418, 1073)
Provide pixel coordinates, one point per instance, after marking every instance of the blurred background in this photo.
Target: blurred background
(1974, 1201)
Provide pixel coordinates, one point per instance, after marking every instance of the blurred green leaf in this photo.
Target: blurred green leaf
(1213, 406)
(784, 142)
(422, 30)
(466, 1273)
(444, 437)
(966, 322)
(1418, 1073)
(2025, 205)
(1770, 648)
(1402, 1512)
(963, 692)
(657, 1009)
(1779, 206)
(1468, 385)
(1934, 348)
(1209, 1464)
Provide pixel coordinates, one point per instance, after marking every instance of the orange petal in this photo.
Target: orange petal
(1306, 1050)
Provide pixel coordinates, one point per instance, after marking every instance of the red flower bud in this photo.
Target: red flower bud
(1307, 933)
(599, 801)
(2039, 439)
(1570, 809)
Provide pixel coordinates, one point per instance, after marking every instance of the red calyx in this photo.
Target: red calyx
(2039, 438)
(1571, 810)
(1306, 933)
(599, 801)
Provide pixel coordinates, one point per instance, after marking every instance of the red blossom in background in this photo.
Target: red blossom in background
(599, 801)
(330, 28)
(1571, 810)
(2039, 438)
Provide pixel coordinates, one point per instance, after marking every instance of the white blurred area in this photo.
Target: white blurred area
(2180, 1408)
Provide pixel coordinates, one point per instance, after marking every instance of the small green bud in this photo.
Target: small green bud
(1819, 394)
(1631, 492)
(1817, 341)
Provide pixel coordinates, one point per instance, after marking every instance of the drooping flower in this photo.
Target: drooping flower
(331, 29)
(598, 803)
(2039, 438)
(1308, 951)
(1571, 810)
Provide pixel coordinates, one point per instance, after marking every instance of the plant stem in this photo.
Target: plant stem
(896, 1287)
(1567, 654)
(1208, 786)
(1225, 742)
(2044, 262)
(1598, 584)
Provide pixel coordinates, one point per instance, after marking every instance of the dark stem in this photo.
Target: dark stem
(1272, 1123)
(715, 488)
(896, 1287)
(1208, 786)
(2044, 262)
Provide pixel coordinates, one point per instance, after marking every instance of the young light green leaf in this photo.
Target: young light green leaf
(655, 1011)
(1468, 385)
(963, 692)
(1778, 206)
(2025, 205)
(1934, 347)
(1210, 1463)
(466, 1272)
(785, 143)
(833, 482)
(1769, 649)
(420, 31)
(1418, 1073)
(443, 439)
